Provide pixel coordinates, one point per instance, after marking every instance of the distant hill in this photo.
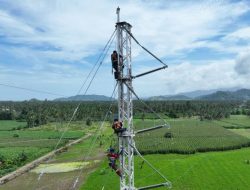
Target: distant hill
(85, 98)
(198, 93)
(242, 94)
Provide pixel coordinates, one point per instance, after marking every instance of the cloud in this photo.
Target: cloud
(242, 33)
(79, 28)
(242, 66)
(56, 42)
(181, 26)
(188, 77)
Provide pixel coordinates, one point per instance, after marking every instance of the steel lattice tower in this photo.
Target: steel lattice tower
(125, 105)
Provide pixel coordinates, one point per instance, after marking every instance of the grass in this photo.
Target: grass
(7, 125)
(213, 170)
(243, 132)
(235, 122)
(32, 152)
(24, 142)
(32, 142)
(41, 134)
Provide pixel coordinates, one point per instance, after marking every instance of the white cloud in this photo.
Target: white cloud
(188, 77)
(78, 27)
(74, 30)
(242, 33)
(242, 66)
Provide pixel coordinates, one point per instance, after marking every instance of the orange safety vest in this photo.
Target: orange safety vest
(117, 125)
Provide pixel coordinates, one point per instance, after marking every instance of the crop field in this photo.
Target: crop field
(185, 170)
(206, 170)
(63, 168)
(14, 157)
(20, 145)
(188, 136)
(243, 132)
(211, 170)
(235, 122)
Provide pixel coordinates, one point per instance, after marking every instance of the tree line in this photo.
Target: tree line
(36, 113)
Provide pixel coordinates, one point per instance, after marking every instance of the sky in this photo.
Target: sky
(51, 45)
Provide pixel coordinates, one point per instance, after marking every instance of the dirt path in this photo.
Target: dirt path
(36, 162)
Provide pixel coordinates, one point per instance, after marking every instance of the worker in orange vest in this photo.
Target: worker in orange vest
(112, 156)
(117, 126)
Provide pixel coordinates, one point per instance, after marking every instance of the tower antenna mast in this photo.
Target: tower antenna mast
(123, 75)
(125, 105)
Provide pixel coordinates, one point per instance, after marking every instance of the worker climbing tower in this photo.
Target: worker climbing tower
(125, 106)
(123, 125)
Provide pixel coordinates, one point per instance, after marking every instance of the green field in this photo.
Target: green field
(13, 157)
(92, 148)
(213, 170)
(243, 132)
(186, 170)
(22, 145)
(210, 170)
(7, 125)
(235, 122)
(188, 136)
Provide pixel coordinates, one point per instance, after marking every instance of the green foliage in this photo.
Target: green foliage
(168, 135)
(17, 156)
(15, 135)
(22, 157)
(2, 159)
(172, 114)
(38, 113)
(6, 115)
(88, 122)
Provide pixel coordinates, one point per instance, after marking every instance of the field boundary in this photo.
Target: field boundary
(36, 162)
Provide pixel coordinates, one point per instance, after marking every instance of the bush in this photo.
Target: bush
(88, 122)
(22, 157)
(172, 114)
(2, 160)
(15, 135)
(168, 135)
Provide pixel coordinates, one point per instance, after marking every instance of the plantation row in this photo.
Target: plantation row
(188, 137)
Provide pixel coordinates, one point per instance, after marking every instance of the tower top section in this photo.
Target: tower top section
(118, 14)
(118, 19)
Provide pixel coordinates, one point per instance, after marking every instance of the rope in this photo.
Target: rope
(77, 107)
(97, 61)
(156, 114)
(132, 36)
(157, 171)
(60, 95)
(32, 90)
(95, 138)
